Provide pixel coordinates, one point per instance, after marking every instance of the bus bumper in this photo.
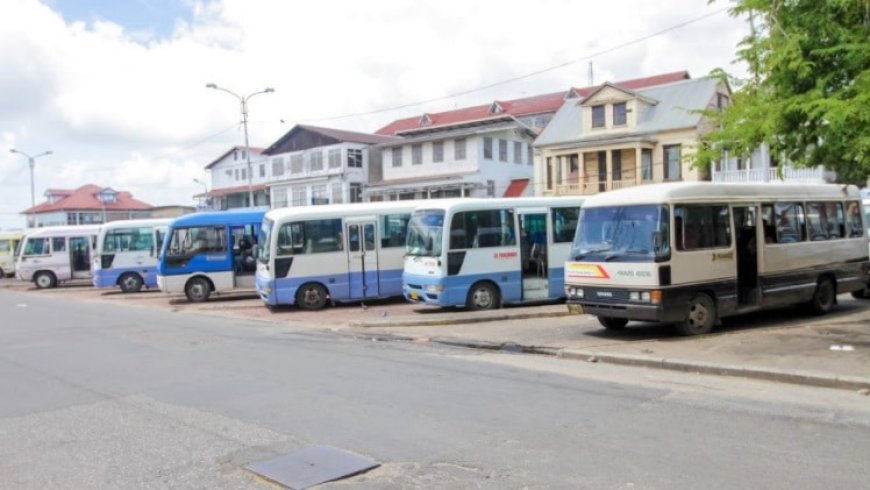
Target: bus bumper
(424, 290)
(104, 279)
(266, 290)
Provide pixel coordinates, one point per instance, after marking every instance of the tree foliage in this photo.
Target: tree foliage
(808, 94)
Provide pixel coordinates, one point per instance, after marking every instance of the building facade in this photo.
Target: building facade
(617, 137)
(87, 205)
(229, 174)
(761, 166)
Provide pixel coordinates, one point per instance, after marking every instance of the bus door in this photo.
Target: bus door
(748, 292)
(80, 257)
(362, 260)
(534, 253)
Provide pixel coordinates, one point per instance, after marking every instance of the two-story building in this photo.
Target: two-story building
(87, 205)
(229, 176)
(483, 151)
(314, 165)
(616, 136)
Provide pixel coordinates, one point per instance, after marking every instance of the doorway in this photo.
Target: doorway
(747, 255)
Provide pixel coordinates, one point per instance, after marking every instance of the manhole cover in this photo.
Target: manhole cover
(312, 466)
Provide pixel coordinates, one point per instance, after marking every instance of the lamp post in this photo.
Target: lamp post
(31, 161)
(204, 191)
(244, 102)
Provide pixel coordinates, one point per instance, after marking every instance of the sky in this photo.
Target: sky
(116, 89)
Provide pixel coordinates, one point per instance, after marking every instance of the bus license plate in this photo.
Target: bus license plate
(413, 295)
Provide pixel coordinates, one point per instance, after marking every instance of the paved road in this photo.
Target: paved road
(111, 396)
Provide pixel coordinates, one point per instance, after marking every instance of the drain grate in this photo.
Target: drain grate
(312, 466)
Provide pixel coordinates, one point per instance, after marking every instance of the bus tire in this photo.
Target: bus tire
(45, 280)
(611, 323)
(700, 318)
(861, 293)
(483, 295)
(824, 296)
(311, 297)
(130, 282)
(197, 290)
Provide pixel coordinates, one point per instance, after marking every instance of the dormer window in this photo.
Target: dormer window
(425, 120)
(619, 118)
(107, 196)
(598, 116)
(496, 108)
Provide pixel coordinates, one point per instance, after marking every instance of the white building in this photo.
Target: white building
(228, 175)
(761, 166)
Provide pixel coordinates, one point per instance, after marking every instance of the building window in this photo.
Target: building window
(438, 151)
(316, 164)
(672, 162)
(277, 167)
(531, 156)
(319, 195)
(490, 188)
(416, 154)
(598, 116)
(262, 170)
(236, 174)
(459, 149)
(397, 157)
(354, 158)
(335, 158)
(355, 192)
(244, 174)
(518, 152)
(646, 170)
(619, 114)
(337, 193)
(236, 155)
(549, 173)
(502, 150)
(300, 195)
(297, 164)
(616, 164)
(487, 148)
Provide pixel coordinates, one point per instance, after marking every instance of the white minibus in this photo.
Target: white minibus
(692, 253)
(312, 255)
(9, 241)
(127, 252)
(482, 253)
(56, 254)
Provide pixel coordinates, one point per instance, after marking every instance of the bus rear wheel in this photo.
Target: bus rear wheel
(197, 290)
(824, 297)
(311, 297)
(611, 323)
(483, 296)
(130, 282)
(45, 280)
(700, 318)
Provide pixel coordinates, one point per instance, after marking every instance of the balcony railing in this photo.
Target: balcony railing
(592, 187)
(816, 175)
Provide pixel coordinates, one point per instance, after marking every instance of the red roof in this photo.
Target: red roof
(85, 199)
(516, 188)
(538, 104)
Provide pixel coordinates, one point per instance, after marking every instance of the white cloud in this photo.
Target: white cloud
(125, 109)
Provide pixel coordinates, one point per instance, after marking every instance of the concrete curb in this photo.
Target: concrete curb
(435, 322)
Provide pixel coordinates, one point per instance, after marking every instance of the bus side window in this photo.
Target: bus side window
(853, 220)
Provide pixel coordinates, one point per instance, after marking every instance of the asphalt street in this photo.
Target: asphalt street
(99, 395)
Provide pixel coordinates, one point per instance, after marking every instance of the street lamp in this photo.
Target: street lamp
(244, 103)
(31, 161)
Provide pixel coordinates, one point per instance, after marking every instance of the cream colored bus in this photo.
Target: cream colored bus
(692, 253)
(9, 241)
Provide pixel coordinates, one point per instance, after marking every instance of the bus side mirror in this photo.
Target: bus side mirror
(657, 240)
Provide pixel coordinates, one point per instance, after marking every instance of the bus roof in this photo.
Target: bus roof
(462, 204)
(4, 235)
(126, 223)
(229, 217)
(721, 192)
(68, 230)
(350, 209)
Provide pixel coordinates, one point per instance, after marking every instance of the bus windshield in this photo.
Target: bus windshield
(425, 233)
(622, 234)
(263, 241)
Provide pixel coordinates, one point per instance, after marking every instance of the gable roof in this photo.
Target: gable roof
(253, 150)
(321, 137)
(526, 106)
(606, 85)
(85, 199)
(677, 107)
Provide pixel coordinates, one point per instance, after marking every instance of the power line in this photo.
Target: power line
(522, 77)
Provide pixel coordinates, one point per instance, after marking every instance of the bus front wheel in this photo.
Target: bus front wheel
(483, 296)
(311, 297)
(700, 318)
(130, 282)
(824, 297)
(197, 290)
(45, 280)
(611, 323)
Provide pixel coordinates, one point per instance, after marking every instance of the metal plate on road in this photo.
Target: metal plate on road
(312, 466)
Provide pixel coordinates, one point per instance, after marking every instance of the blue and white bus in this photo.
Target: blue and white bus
(482, 253)
(210, 252)
(127, 252)
(309, 256)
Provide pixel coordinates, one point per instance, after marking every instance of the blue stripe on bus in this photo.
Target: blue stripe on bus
(339, 286)
(455, 288)
(108, 278)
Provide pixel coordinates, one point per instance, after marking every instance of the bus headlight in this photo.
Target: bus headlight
(634, 296)
(573, 292)
(434, 288)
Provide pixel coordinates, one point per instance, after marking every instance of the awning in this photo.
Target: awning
(516, 188)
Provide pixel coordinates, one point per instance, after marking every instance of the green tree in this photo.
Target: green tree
(808, 93)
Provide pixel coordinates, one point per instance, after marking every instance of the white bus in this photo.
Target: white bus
(692, 253)
(126, 254)
(311, 255)
(56, 254)
(866, 292)
(481, 253)
(9, 241)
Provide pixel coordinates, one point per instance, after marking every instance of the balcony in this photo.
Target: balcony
(592, 187)
(816, 175)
